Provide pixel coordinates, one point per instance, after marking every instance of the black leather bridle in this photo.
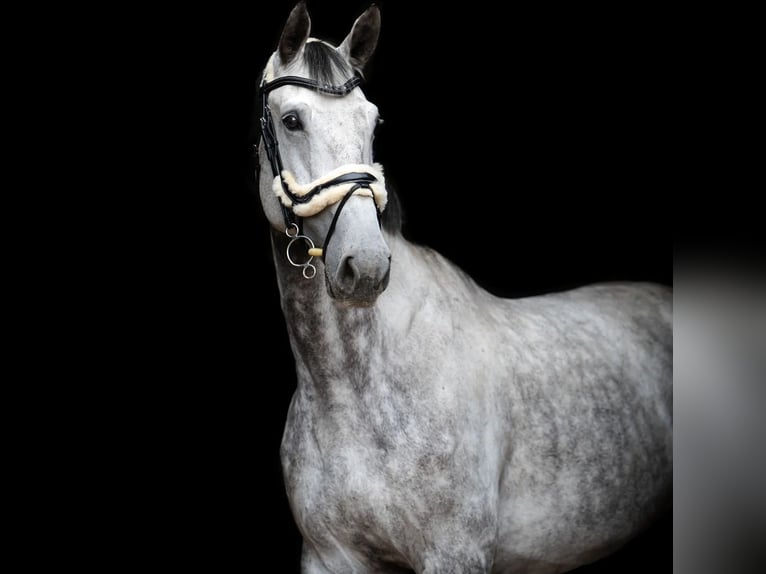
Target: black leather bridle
(294, 223)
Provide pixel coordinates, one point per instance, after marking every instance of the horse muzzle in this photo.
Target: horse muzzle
(358, 277)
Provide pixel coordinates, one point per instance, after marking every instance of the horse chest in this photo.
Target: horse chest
(341, 494)
(354, 485)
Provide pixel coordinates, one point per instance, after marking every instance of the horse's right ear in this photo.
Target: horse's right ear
(295, 33)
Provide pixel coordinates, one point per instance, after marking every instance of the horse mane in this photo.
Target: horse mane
(392, 218)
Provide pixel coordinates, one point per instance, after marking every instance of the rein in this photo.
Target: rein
(298, 201)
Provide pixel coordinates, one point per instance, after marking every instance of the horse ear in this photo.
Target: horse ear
(360, 44)
(295, 33)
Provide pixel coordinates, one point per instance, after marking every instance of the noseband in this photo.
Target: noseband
(298, 201)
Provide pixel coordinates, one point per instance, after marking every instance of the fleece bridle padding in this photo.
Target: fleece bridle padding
(311, 198)
(298, 201)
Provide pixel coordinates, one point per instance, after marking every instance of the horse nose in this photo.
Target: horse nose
(364, 275)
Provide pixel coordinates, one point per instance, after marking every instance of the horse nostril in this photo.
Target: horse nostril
(362, 275)
(348, 273)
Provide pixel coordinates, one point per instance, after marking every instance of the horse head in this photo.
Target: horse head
(317, 127)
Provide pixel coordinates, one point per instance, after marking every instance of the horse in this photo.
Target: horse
(436, 427)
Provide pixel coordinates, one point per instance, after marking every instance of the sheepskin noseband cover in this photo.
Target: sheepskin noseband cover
(332, 193)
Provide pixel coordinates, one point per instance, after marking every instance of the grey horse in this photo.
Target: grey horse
(436, 427)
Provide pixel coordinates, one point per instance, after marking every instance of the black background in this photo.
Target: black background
(525, 146)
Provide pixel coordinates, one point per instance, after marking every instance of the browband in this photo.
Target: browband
(341, 90)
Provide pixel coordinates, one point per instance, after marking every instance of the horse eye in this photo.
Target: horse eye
(291, 122)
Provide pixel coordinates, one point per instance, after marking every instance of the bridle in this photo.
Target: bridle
(306, 200)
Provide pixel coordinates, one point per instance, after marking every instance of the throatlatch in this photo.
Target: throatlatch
(304, 200)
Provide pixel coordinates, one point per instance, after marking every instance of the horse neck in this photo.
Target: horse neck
(328, 339)
(349, 346)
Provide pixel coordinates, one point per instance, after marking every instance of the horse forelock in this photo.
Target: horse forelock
(323, 63)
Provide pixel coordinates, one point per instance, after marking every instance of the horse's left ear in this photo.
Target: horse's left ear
(360, 43)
